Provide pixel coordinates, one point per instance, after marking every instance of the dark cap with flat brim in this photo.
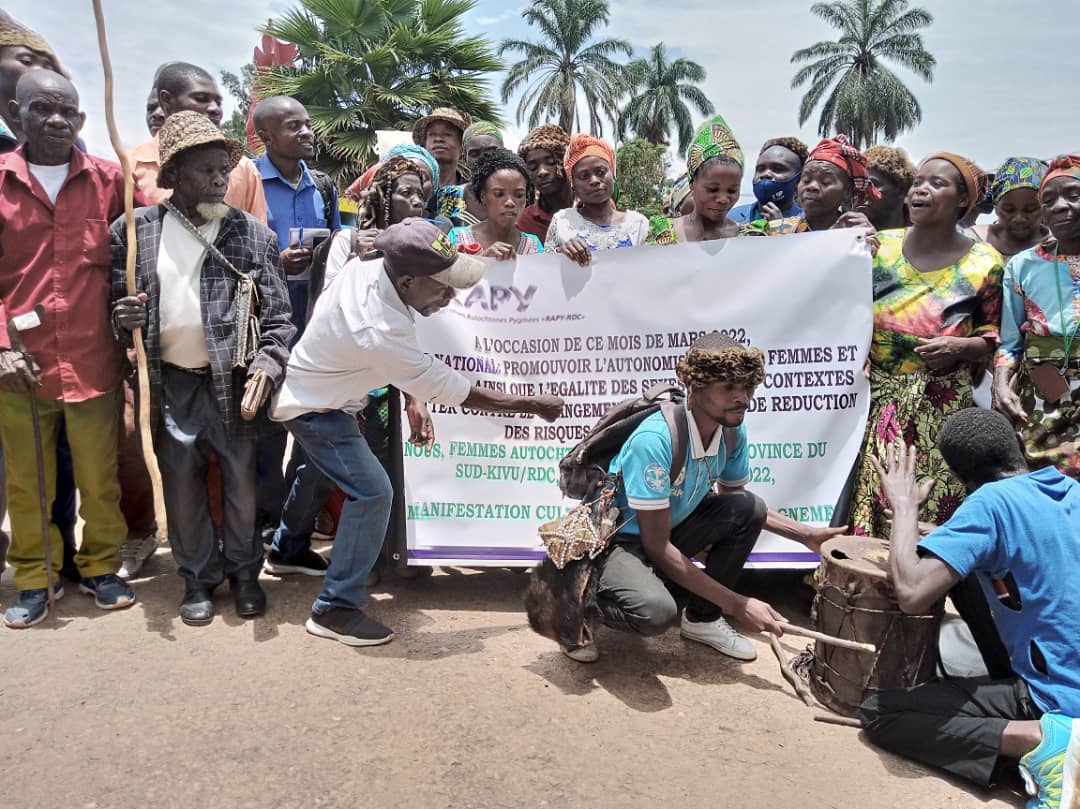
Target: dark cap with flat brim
(419, 248)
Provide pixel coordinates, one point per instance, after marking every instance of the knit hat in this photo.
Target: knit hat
(12, 33)
(186, 130)
(546, 136)
(444, 114)
(975, 179)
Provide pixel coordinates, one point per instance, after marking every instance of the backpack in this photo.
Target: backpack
(317, 271)
(328, 191)
(584, 469)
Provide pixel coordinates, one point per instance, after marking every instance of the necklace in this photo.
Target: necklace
(1066, 338)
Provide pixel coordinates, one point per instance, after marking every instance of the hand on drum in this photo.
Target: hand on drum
(760, 617)
(819, 536)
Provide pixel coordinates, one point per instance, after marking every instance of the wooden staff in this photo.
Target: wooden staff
(789, 675)
(818, 636)
(143, 419)
(835, 719)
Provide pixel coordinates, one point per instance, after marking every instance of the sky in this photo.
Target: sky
(1004, 84)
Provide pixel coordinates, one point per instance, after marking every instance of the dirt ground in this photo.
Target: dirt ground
(466, 708)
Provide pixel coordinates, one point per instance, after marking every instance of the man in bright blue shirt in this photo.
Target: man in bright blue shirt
(776, 179)
(1018, 533)
(649, 574)
(296, 197)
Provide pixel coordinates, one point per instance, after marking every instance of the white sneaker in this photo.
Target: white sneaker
(719, 635)
(134, 553)
(582, 654)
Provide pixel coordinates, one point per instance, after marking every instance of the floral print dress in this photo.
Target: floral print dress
(907, 399)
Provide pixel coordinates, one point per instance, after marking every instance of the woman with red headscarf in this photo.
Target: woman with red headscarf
(834, 183)
(937, 314)
(1037, 373)
(595, 224)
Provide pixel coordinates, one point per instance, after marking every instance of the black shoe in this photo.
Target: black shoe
(307, 562)
(351, 627)
(197, 608)
(249, 597)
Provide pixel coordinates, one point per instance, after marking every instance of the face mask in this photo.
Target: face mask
(780, 193)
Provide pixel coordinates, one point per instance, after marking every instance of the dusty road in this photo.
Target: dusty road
(467, 708)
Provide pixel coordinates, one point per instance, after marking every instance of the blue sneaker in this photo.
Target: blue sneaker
(109, 592)
(30, 607)
(1051, 770)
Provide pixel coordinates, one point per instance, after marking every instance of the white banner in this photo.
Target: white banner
(608, 332)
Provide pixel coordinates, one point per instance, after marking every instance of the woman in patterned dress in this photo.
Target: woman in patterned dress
(937, 311)
(714, 169)
(501, 183)
(596, 224)
(1037, 373)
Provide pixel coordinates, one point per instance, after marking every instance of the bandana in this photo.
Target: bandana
(1066, 165)
(582, 146)
(482, 128)
(712, 139)
(410, 151)
(975, 179)
(849, 160)
(1017, 172)
(546, 136)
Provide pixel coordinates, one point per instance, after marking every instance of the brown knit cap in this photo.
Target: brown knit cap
(546, 136)
(12, 33)
(186, 130)
(975, 180)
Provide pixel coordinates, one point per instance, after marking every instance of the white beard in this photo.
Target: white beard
(212, 210)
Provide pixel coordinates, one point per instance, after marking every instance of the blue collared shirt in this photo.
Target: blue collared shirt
(300, 207)
(752, 212)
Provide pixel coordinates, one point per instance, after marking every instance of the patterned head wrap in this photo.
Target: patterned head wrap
(976, 180)
(1017, 172)
(582, 146)
(410, 151)
(12, 34)
(849, 160)
(546, 136)
(676, 196)
(712, 139)
(482, 128)
(1066, 165)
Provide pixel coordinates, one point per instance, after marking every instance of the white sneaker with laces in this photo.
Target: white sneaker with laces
(719, 635)
(134, 553)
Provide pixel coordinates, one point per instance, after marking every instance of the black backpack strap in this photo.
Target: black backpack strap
(675, 416)
(659, 389)
(328, 191)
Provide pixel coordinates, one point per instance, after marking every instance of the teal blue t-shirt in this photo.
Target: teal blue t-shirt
(645, 464)
(1021, 538)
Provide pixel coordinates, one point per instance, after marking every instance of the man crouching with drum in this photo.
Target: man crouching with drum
(649, 576)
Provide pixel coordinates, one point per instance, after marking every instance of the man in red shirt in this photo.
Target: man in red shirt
(55, 207)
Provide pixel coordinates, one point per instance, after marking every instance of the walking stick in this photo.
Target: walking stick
(143, 415)
(21, 323)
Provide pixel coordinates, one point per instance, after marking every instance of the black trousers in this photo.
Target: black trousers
(954, 725)
(633, 597)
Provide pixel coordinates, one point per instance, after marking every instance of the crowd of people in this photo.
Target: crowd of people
(253, 333)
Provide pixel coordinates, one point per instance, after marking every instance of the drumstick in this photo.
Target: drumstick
(843, 644)
(833, 719)
(796, 682)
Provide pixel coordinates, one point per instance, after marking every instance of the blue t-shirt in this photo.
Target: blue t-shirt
(751, 212)
(645, 464)
(1021, 537)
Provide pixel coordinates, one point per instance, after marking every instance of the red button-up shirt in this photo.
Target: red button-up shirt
(58, 256)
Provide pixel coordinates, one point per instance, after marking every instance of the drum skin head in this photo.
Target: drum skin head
(866, 555)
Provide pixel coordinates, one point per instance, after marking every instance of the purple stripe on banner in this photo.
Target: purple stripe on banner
(518, 554)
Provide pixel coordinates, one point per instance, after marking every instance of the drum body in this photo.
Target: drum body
(855, 601)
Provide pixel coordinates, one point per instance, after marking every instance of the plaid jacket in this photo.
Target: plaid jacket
(252, 249)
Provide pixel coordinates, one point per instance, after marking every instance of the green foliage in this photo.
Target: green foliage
(367, 65)
(239, 87)
(863, 98)
(642, 175)
(661, 91)
(566, 61)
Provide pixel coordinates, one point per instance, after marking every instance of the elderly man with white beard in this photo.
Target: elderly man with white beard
(202, 267)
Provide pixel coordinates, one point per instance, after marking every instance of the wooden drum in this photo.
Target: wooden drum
(855, 601)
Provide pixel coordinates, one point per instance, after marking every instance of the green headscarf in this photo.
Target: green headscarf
(482, 128)
(712, 139)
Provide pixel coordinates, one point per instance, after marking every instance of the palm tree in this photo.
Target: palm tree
(660, 91)
(867, 99)
(367, 65)
(567, 60)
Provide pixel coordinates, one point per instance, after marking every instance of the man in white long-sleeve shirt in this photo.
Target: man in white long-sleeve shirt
(362, 336)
